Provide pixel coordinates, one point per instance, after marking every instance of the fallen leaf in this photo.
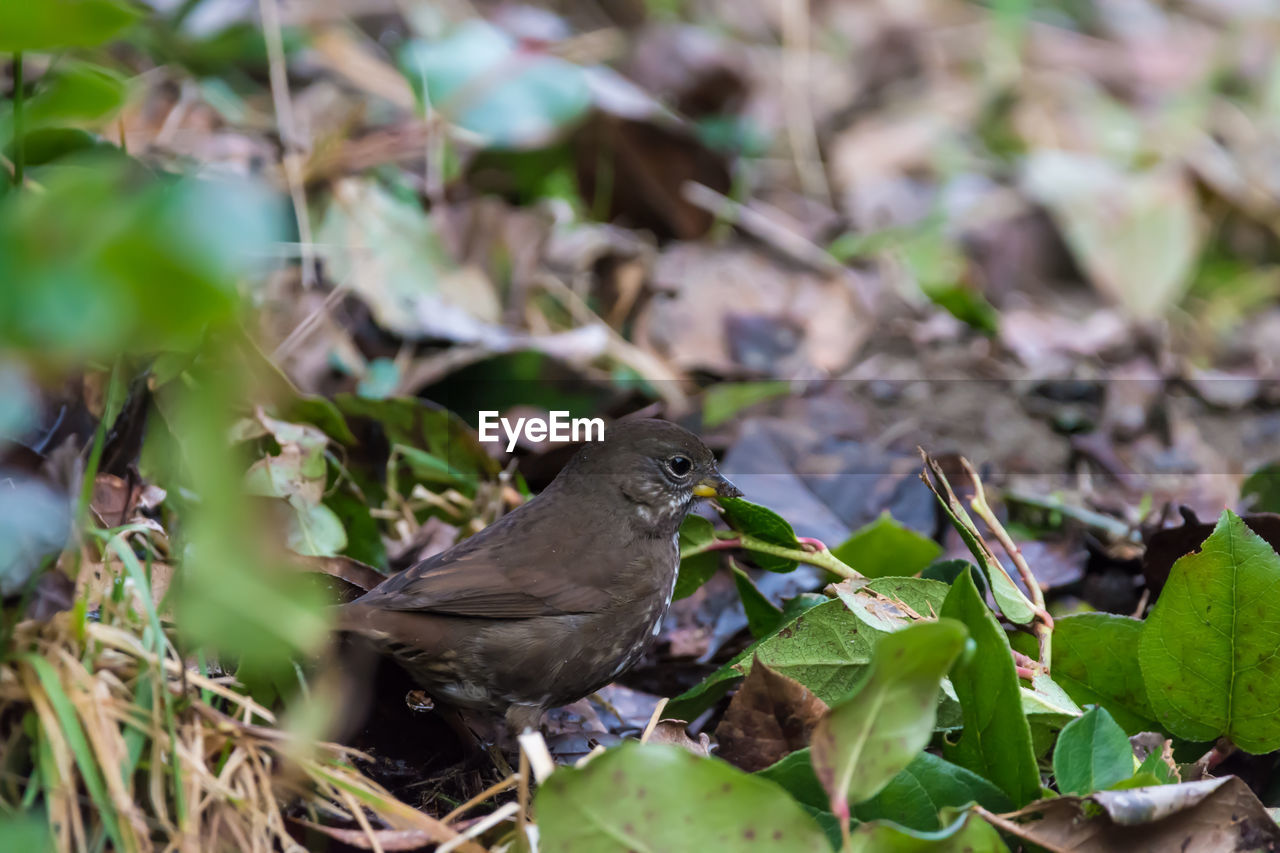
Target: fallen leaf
(770, 716)
(1192, 817)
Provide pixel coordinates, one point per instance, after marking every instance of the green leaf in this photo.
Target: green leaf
(996, 740)
(697, 563)
(437, 444)
(1262, 488)
(862, 743)
(694, 572)
(660, 797)
(55, 24)
(825, 648)
(1095, 660)
(965, 833)
(316, 531)
(76, 92)
(725, 399)
(794, 774)
(885, 548)
(157, 274)
(916, 796)
(1156, 766)
(1208, 649)
(364, 539)
(481, 79)
(765, 525)
(1092, 754)
(762, 616)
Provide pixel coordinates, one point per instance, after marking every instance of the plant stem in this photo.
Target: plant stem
(1042, 627)
(19, 158)
(1105, 524)
(823, 558)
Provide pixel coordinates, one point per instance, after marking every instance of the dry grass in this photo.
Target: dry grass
(125, 743)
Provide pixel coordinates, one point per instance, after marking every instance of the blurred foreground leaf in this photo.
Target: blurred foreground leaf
(483, 81)
(659, 797)
(862, 743)
(50, 24)
(104, 261)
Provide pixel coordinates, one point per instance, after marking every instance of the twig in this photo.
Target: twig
(495, 788)
(308, 323)
(1112, 527)
(667, 383)
(480, 827)
(653, 720)
(801, 133)
(765, 228)
(291, 156)
(1042, 627)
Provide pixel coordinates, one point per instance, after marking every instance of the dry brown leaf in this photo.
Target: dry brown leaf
(1192, 817)
(674, 732)
(769, 717)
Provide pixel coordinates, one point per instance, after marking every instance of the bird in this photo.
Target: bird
(558, 597)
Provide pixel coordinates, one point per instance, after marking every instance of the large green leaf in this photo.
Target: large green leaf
(1208, 649)
(862, 743)
(825, 648)
(659, 797)
(1092, 754)
(996, 740)
(74, 93)
(1095, 660)
(54, 24)
(916, 796)
(885, 548)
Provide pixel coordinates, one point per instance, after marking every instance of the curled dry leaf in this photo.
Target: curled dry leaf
(1194, 817)
(676, 733)
(769, 717)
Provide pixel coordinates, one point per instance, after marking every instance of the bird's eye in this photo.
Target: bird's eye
(680, 465)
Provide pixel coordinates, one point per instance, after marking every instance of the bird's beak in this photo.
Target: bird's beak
(716, 486)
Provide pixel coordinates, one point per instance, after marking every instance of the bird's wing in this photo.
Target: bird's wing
(490, 579)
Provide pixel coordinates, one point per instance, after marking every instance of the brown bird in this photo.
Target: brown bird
(557, 598)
